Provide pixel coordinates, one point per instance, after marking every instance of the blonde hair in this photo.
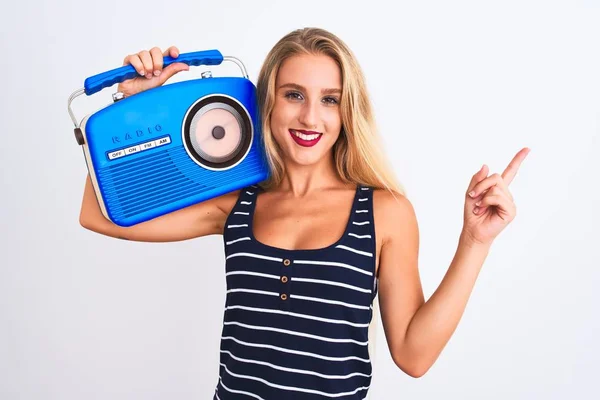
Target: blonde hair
(358, 153)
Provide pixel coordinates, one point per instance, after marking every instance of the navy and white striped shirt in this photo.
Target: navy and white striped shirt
(296, 321)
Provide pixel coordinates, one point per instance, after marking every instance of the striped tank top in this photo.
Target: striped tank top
(296, 321)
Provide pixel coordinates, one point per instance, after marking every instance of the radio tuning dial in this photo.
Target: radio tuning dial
(206, 74)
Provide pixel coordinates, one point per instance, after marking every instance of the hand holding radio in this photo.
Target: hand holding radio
(149, 66)
(170, 148)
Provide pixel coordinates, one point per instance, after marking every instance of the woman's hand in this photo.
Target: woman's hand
(489, 206)
(149, 65)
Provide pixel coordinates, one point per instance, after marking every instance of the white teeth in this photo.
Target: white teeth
(305, 137)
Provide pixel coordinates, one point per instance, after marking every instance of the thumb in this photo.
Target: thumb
(171, 70)
(478, 177)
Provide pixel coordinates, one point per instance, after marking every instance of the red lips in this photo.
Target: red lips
(302, 142)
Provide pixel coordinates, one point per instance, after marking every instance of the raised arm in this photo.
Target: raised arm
(417, 331)
(205, 218)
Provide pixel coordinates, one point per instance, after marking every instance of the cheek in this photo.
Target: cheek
(276, 124)
(333, 121)
(278, 127)
(276, 114)
(281, 117)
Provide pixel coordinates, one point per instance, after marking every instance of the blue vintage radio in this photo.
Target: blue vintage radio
(172, 146)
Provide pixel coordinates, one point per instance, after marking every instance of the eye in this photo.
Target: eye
(293, 96)
(331, 100)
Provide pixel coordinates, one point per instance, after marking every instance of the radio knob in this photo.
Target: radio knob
(79, 136)
(206, 74)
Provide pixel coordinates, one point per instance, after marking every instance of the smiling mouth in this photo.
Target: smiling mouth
(305, 138)
(305, 135)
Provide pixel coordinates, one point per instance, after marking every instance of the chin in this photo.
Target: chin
(307, 157)
(305, 161)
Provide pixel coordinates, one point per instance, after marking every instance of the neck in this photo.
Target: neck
(302, 180)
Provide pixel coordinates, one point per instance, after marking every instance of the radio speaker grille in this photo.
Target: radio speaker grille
(163, 178)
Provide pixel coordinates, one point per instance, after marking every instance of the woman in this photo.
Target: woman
(307, 250)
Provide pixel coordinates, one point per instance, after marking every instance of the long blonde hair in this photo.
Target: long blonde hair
(358, 153)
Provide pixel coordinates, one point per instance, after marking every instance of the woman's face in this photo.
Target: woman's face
(306, 119)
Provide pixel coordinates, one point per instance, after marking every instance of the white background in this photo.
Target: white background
(454, 84)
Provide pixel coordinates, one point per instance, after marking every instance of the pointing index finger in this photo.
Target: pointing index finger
(510, 171)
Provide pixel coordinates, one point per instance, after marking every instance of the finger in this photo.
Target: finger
(486, 184)
(512, 168)
(501, 202)
(501, 189)
(157, 60)
(495, 191)
(478, 177)
(484, 203)
(172, 51)
(147, 61)
(171, 70)
(498, 199)
(136, 63)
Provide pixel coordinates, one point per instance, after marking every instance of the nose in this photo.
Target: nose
(309, 115)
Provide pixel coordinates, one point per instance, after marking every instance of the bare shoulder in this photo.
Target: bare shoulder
(216, 210)
(226, 202)
(394, 215)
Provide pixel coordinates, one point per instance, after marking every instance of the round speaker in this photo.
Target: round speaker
(217, 132)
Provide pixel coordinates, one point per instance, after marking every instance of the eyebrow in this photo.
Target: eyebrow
(302, 88)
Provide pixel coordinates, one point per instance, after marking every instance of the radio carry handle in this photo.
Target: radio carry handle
(95, 83)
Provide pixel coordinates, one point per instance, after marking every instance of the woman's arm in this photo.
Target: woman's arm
(417, 331)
